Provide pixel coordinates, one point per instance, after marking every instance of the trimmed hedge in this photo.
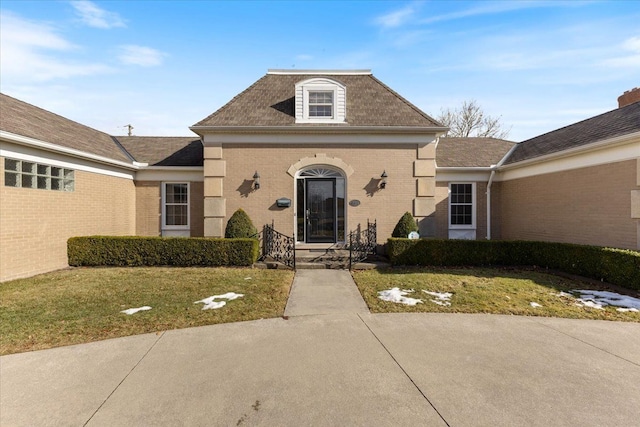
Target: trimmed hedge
(616, 266)
(155, 251)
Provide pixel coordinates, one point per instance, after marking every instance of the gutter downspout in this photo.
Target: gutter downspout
(493, 173)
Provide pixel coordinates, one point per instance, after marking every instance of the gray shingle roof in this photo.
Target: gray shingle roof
(471, 152)
(24, 119)
(164, 150)
(270, 101)
(618, 122)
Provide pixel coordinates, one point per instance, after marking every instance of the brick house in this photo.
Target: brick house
(316, 153)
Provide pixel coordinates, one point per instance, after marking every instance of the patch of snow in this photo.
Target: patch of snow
(563, 294)
(131, 311)
(210, 303)
(587, 303)
(398, 296)
(605, 298)
(534, 304)
(626, 310)
(442, 298)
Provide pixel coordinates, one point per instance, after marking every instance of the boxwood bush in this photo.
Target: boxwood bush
(616, 266)
(239, 225)
(156, 251)
(405, 225)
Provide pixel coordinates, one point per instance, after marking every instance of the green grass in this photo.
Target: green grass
(496, 291)
(83, 304)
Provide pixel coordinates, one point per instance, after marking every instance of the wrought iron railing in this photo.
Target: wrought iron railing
(362, 243)
(277, 246)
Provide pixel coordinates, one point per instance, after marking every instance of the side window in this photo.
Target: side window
(461, 205)
(175, 207)
(24, 174)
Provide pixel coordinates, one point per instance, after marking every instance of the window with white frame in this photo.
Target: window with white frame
(462, 211)
(321, 104)
(25, 174)
(175, 206)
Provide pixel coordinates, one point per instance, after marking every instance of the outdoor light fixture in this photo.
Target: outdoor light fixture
(256, 180)
(383, 182)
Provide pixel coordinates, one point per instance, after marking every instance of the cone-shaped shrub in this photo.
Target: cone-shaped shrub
(405, 226)
(240, 225)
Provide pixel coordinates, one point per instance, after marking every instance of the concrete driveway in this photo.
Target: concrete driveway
(341, 368)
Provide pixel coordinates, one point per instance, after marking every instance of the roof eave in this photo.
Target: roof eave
(47, 146)
(604, 143)
(335, 129)
(465, 168)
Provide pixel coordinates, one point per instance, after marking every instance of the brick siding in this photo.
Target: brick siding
(589, 206)
(35, 224)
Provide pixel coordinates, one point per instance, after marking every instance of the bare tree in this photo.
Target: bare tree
(470, 120)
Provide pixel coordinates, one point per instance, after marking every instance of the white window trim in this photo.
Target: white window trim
(319, 88)
(474, 206)
(164, 207)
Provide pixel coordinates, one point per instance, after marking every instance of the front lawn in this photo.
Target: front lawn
(477, 290)
(84, 304)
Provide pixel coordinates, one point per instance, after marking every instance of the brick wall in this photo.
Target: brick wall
(585, 206)
(149, 208)
(442, 210)
(368, 161)
(35, 224)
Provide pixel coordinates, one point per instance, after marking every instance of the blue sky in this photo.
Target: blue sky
(164, 65)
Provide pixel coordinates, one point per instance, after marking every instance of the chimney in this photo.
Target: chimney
(629, 97)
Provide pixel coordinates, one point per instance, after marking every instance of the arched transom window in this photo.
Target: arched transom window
(320, 173)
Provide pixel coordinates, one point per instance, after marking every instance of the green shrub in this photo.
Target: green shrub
(240, 226)
(616, 266)
(406, 225)
(155, 251)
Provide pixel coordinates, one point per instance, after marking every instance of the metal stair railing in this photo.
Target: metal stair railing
(277, 246)
(362, 243)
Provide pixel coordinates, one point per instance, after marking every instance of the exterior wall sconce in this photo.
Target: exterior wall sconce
(256, 181)
(383, 182)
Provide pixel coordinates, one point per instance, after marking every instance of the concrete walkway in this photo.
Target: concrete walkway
(349, 368)
(324, 292)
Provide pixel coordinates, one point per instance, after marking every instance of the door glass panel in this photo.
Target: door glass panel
(300, 209)
(340, 206)
(321, 215)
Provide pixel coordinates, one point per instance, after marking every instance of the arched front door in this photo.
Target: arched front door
(320, 210)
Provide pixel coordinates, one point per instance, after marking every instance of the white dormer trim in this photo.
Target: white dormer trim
(321, 84)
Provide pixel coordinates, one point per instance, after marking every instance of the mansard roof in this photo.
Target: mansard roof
(270, 101)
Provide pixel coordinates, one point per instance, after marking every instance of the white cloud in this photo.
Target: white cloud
(628, 60)
(494, 7)
(397, 18)
(93, 16)
(140, 55)
(33, 52)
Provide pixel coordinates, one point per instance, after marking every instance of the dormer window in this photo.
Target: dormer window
(321, 104)
(320, 100)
